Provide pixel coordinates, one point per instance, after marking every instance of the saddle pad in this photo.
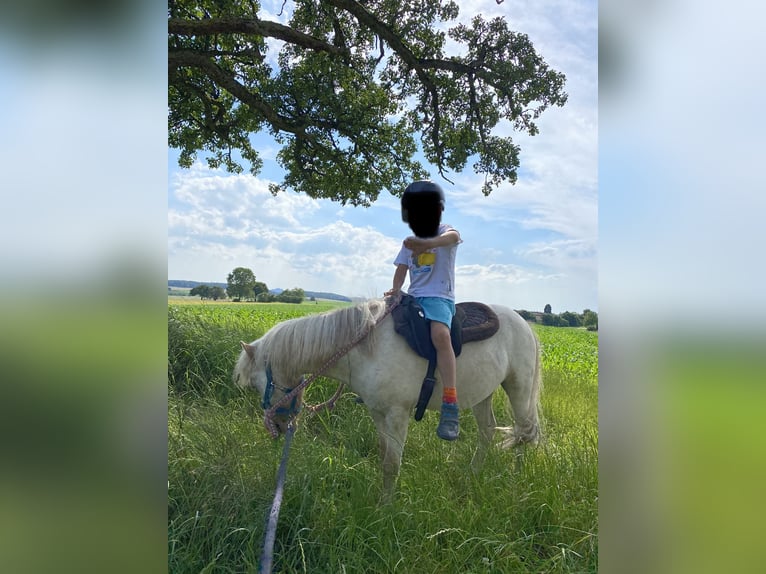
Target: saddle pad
(478, 321)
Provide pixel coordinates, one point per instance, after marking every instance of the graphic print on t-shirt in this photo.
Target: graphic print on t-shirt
(423, 263)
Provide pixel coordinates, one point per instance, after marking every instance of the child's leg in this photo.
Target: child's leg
(448, 428)
(445, 354)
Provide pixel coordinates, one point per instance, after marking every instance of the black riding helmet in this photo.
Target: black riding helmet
(422, 206)
(421, 194)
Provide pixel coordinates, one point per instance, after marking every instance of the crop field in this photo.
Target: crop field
(535, 513)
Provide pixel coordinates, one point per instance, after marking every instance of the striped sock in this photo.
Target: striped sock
(450, 395)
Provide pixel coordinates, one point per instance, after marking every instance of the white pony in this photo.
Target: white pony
(387, 374)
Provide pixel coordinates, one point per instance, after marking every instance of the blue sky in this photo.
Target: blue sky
(525, 246)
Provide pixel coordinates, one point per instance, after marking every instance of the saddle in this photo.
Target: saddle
(473, 321)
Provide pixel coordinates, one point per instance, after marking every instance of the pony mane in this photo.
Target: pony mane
(302, 345)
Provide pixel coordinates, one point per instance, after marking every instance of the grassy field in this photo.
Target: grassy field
(540, 516)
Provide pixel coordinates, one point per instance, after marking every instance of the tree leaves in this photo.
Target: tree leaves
(353, 91)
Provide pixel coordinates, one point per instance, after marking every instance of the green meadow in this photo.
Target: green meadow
(537, 513)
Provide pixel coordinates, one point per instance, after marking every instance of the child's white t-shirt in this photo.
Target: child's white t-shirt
(432, 273)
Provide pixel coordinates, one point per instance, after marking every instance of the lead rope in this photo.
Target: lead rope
(330, 404)
(268, 416)
(267, 554)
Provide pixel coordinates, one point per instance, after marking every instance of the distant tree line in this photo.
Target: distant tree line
(296, 295)
(241, 285)
(587, 319)
(208, 292)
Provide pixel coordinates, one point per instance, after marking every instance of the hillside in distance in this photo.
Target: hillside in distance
(184, 284)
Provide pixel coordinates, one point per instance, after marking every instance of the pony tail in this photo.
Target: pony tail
(537, 390)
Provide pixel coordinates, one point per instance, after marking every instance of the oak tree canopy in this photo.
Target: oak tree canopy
(351, 91)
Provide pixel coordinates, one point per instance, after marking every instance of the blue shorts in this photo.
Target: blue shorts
(438, 309)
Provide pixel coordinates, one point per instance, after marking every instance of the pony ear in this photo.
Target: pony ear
(249, 349)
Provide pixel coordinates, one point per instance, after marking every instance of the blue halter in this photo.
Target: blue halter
(292, 409)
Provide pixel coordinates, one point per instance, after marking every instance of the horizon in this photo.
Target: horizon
(354, 298)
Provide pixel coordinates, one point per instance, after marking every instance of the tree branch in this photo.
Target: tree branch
(237, 25)
(180, 58)
(386, 33)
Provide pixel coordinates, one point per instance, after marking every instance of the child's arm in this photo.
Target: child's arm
(418, 244)
(399, 276)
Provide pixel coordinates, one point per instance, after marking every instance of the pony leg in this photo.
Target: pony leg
(523, 393)
(392, 428)
(485, 420)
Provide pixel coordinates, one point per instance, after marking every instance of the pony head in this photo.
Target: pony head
(253, 371)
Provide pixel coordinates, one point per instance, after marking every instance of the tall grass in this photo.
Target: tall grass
(532, 514)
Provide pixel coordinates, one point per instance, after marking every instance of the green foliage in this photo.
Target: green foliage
(549, 319)
(208, 292)
(203, 291)
(291, 296)
(265, 297)
(258, 288)
(526, 315)
(217, 293)
(241, 283)
(572, 319)
(539, 516)
(354, 86)
(590, 319)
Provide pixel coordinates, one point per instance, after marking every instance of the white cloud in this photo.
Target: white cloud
(235, 205)
(507, 274)
(521, 287)
(565, 255)
(219, 222)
